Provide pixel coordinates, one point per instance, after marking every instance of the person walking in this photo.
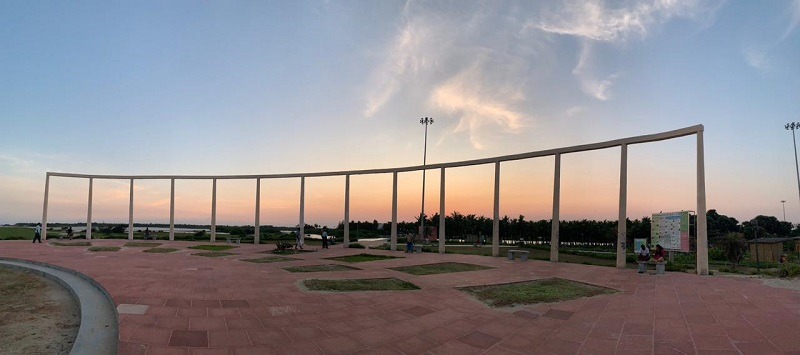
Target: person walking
(37, 234)
(69, 232)
(324, 237)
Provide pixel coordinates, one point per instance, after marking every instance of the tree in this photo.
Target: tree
(733, 246)
(719, 225)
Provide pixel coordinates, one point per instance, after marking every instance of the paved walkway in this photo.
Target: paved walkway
(198, 305)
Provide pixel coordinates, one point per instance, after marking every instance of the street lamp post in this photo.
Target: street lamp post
(784, 209)
(791, 127)
(425, 121)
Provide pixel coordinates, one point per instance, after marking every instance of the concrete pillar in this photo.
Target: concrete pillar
(44, 205)
(441, 215)
(172, 209)
(302, 209)
(346, 211)
(130, 213)
(496, 224)
(89, 212)
(622, 222)
(214, 210)
(556, 205)
(702, 232)
(257, 229)
(393, 238)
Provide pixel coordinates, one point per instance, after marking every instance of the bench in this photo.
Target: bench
(234, 240)
(418, 248)
(659, 266)
(523, 254)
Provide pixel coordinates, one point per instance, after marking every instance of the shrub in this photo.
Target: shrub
(283, 246)
(733, 246)
(356, 246)
(716, 253)
(789, 270)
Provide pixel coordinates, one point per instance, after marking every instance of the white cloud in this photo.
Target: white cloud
(756, 58)
(464, 63)
(596, 22)
(794, 13)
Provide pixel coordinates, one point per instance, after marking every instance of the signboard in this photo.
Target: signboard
(671, 230)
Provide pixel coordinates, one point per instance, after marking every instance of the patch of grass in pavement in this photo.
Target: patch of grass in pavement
(71, 244)
(439, 268)
(212, 247)
(360, 258)
(104, 249)
(269, 259)
(160, 250)
(353, 285)
(537, 291)
(317, 268)
(142, 244)
(213, 254)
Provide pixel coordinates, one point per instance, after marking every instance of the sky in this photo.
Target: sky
(266, 87)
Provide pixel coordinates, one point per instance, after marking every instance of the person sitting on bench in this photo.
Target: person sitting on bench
(643, 254)
(658, 255)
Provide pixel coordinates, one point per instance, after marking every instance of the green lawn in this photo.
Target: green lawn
(530, 292)
(104, 249)
(160, 250)
(214, 254)
(360, 258)
(439, 268)
(319, 268)
(142, 244)
(17, 233)
(71, 244)
(353, 285)
(270, 259)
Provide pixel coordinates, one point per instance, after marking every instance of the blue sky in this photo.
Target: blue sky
(241, 87)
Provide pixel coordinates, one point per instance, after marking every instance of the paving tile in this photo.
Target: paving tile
(132, 308)
(206, 303)
(306, 348)
(597, 346)
(268, 336)
(455, 347)
(301, 333)
(338, 344)
(243, 323)
(559, 346)
(417, 311)
(207, 323)
(414, 345)
(128, 348)
(150, 336)
(210, 351)
(756, 347)
(172, 323)
(254, 350)
(190, 338)
(558, 314)
(479, 339)
(166, 350)
(527, 314)
(228, 338)
(713, 342)
(234, 303)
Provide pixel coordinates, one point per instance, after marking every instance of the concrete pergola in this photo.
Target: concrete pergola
(702, 238)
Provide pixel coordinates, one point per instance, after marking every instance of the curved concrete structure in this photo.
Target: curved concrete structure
(697, 130)
(99, 330)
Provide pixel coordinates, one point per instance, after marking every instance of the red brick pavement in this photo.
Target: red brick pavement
(199, 305)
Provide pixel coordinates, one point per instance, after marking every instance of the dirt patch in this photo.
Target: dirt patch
(37, 315)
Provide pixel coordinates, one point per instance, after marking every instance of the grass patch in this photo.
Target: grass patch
(104, 249)
(20, 233)
(142, 244)
(214, 254)
(439, 268)
(160, 250)
(360, 258)
(530, 292)
(269, 259)
(318, 268)
(71, 244)
(212, 247)
(289, 252)
(352, 285)
(356, 246)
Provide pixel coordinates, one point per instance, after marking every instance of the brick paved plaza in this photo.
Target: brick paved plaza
(199, 305)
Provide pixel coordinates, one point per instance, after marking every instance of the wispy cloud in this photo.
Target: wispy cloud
(463, 63)
(756, 58)
(596, 22)
(794, 19)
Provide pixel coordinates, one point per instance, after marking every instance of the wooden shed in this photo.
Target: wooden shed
(768, 249)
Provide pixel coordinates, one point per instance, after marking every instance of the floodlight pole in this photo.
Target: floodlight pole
(791, 127)
(784, 209)
(425, 121)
